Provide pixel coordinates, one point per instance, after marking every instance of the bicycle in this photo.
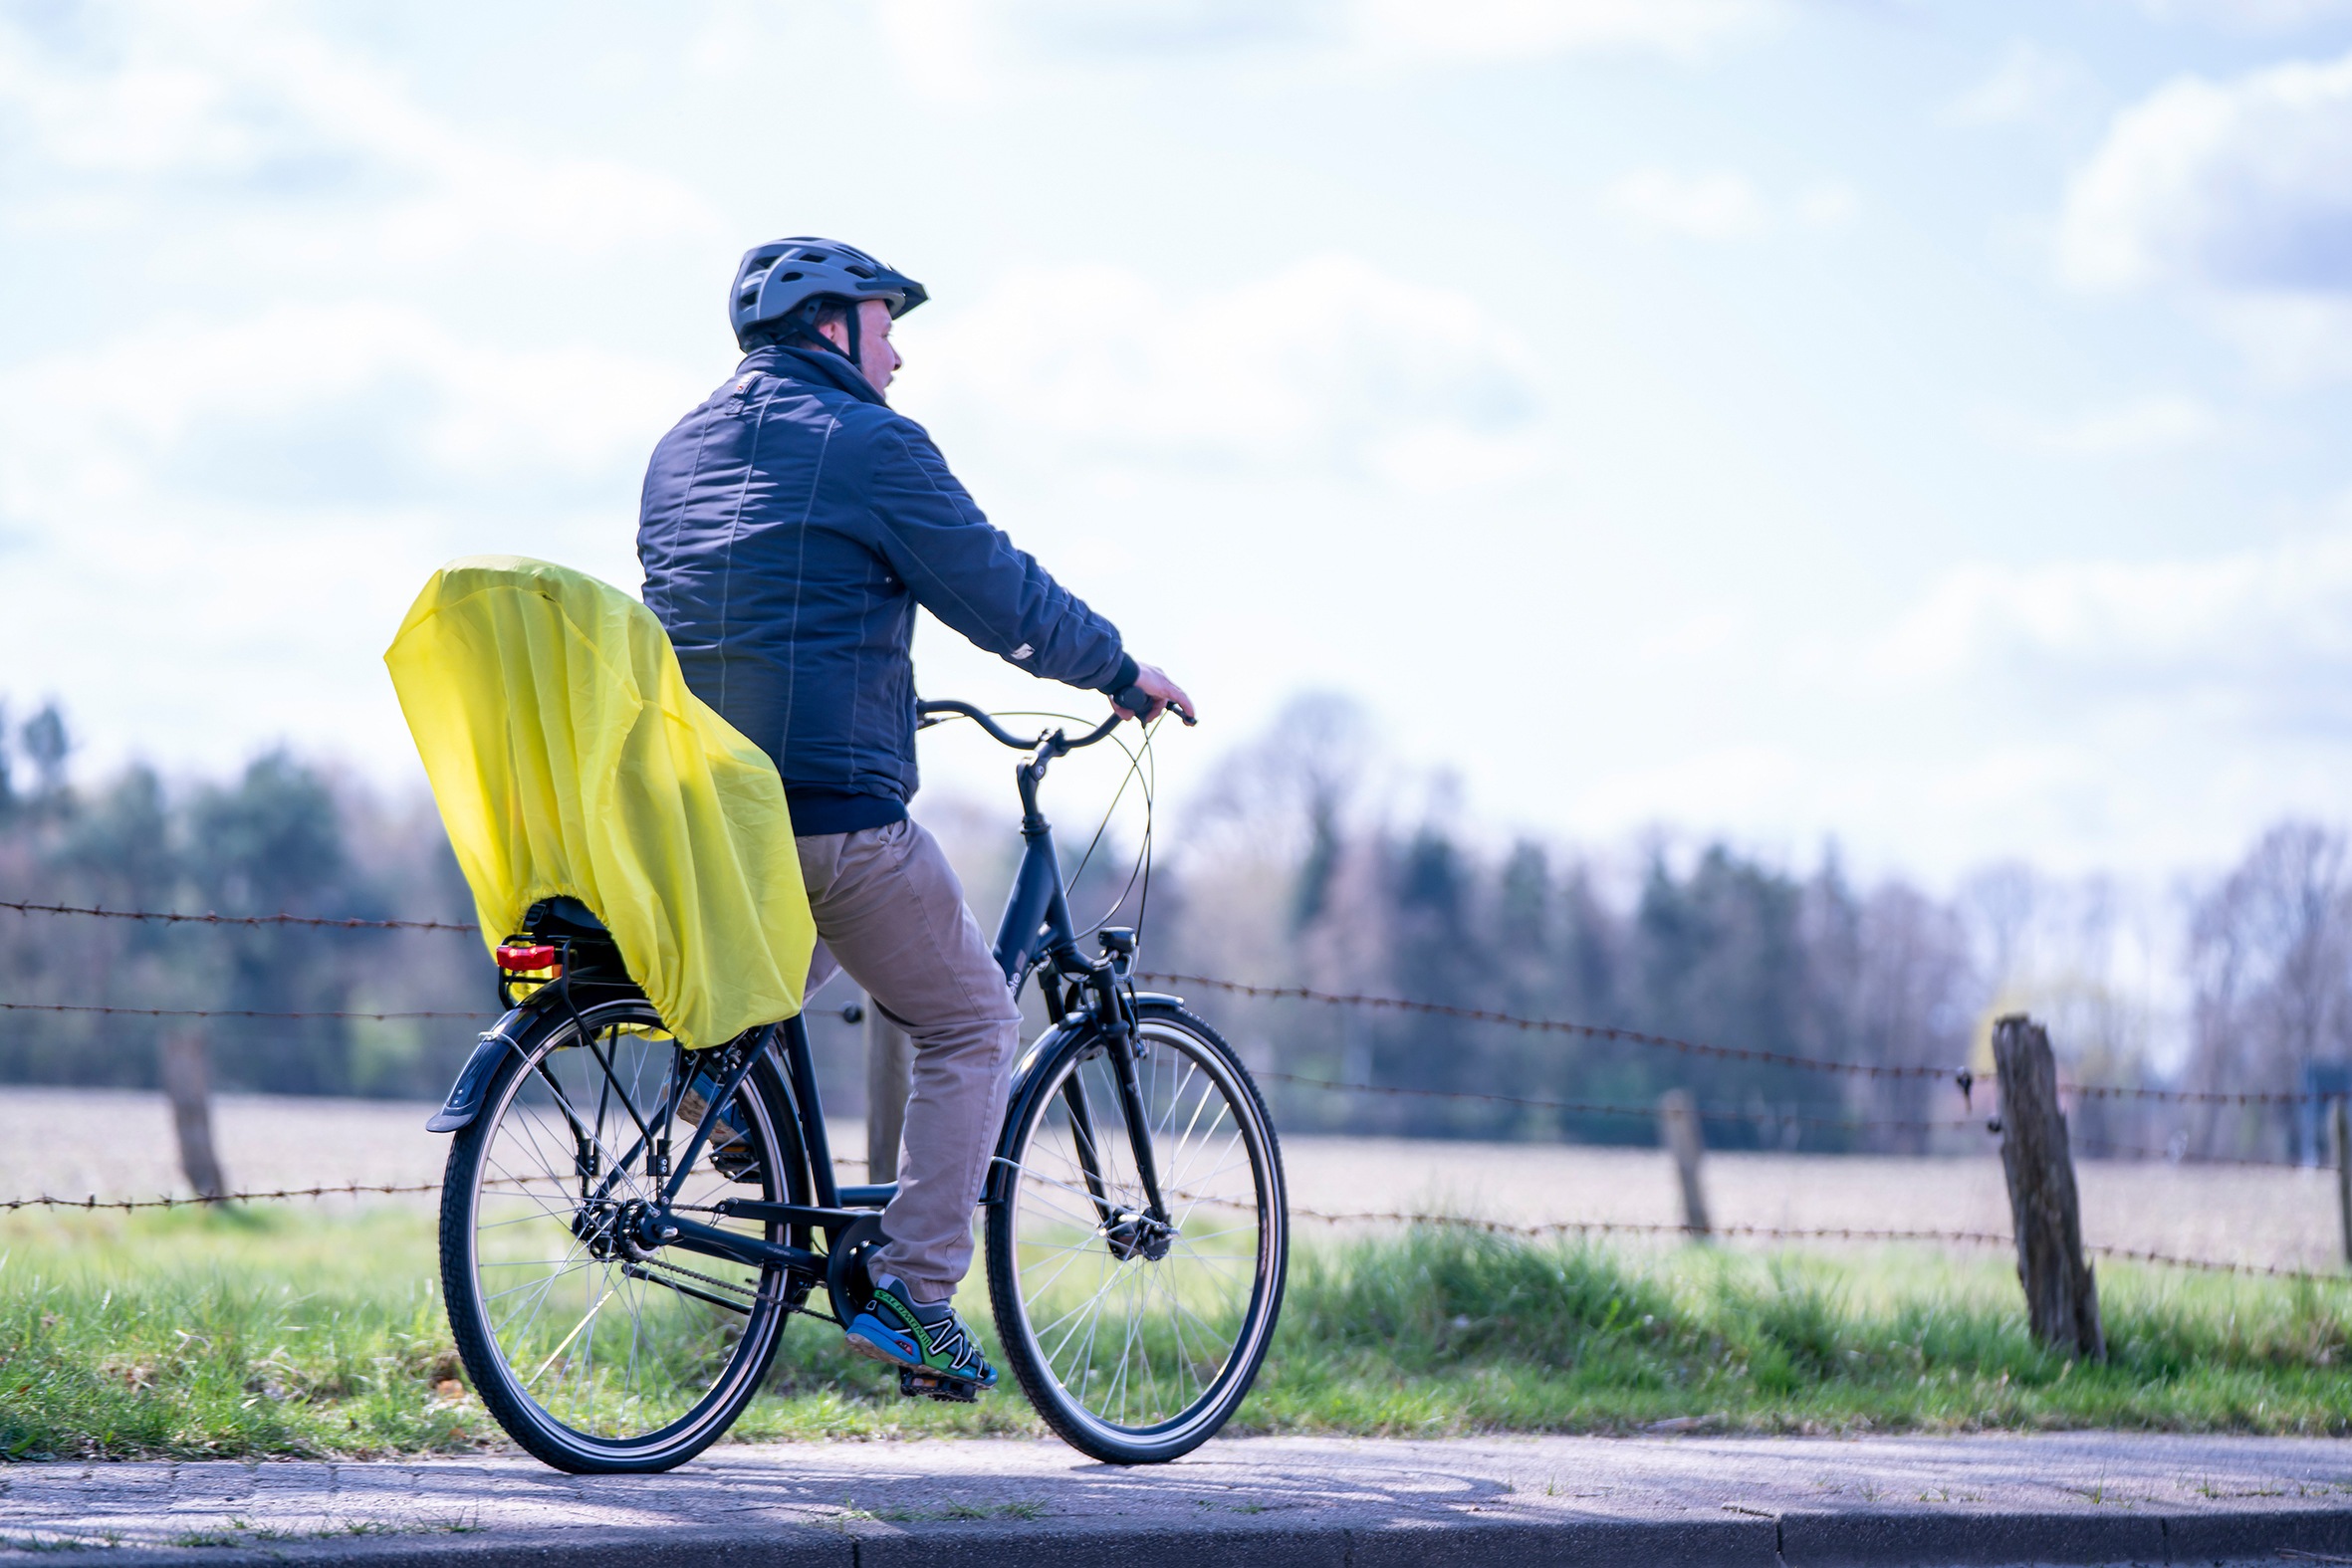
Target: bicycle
(627, 1227)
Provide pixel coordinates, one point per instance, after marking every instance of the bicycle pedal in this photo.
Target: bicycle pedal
(930, 1385)
(737, 1164)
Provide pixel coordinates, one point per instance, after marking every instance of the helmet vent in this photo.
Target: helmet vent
(812, 256)
(793, 277)
(747, 299)
(858, 272)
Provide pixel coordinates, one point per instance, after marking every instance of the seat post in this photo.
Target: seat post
(803, 1074)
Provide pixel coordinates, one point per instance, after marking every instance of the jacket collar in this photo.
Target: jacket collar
(811, 364)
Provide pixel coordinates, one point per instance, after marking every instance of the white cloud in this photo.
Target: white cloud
(307, 151)
(2028, 85)
(2086, 713)
(2249, 15)
(972, 50)
(1414, 30)
(1714, 206)
(1826, 204)
(2294, 340)
(2158, 422)
(347, 407)
(1330, 363)
(220, 523)
(1720, 205)
(2236, 185)
(2261, 635)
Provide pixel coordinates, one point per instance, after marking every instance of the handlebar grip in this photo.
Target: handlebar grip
(1138, 702)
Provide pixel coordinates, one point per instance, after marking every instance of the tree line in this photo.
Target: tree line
(284, 836)
(1308, 860)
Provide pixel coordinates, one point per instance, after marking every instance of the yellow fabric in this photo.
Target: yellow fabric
(567, 757)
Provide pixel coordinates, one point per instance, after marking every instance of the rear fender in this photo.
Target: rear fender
(473, 1080)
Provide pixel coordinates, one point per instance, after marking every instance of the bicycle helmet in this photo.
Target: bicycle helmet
(781, 287)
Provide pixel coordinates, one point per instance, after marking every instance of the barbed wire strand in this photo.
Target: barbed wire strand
(1790, 1233)
(1585, 1107)
(221, 1013)
(339, 923)
(346, 1189)
(1600, 1032)
(1989, 1125)
(1605, 1031)
(2125, 1091)
(1393, 1216)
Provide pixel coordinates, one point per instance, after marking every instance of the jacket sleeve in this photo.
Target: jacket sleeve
(963, 569)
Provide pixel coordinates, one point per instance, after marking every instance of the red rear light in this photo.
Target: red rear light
(540, 956)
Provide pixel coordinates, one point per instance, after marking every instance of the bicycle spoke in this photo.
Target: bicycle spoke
(1137, 1327)
(591, 1344)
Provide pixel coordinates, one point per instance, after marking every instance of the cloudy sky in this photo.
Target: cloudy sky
(1922, 426)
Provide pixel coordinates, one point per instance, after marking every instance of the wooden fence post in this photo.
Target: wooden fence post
(889, 1065)
(187, 1083)
(2343, 1121)
(2061, 1297)
(1678, 1128)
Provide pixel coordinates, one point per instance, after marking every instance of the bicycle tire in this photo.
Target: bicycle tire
(1190, 1081)
(481, 1180)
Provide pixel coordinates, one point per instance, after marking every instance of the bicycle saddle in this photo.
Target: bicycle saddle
(563, 919)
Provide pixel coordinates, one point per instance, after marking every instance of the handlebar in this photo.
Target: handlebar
(931, 712)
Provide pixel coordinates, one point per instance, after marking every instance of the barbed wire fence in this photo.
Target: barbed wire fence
(1960, 1078)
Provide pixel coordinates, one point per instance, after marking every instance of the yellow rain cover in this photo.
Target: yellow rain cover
(567, 757)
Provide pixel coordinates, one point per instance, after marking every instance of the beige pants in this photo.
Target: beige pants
(889, 906)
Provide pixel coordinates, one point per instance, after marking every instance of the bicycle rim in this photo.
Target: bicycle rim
(1129, 1356)
(596, 1355)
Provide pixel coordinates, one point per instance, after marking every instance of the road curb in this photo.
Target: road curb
(1795, 1539)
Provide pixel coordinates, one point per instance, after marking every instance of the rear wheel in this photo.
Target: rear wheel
(1136, 1340)
(596, 1351)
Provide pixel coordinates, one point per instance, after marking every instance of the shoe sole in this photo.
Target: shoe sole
(880, 1344)
(875, 1349)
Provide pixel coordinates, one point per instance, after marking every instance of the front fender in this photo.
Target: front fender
(473, 1080)
(1029, 1078)
(1029, 1082)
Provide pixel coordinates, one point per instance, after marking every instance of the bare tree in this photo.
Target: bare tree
(1914, 997)
(2271, 958)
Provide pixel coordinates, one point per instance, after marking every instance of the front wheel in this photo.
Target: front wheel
(1136, 1335)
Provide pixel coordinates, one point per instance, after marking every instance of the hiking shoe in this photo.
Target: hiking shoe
(730, 1147)
(926, 1338)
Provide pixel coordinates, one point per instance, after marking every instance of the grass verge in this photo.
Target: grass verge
(290, 1333)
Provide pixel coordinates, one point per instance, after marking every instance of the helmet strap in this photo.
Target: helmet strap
(804, 328)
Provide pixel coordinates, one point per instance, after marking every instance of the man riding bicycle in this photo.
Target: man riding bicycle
(791, 524)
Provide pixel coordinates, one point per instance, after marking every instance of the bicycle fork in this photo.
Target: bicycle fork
(1130, 1234)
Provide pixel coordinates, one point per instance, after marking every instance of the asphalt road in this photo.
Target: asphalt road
(2061, 1497)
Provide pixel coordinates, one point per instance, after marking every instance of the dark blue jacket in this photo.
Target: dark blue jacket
(789, 526)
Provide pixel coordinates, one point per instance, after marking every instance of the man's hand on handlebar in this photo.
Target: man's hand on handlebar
(1152, 692)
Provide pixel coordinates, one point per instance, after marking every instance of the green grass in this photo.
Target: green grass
(297, 1332)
